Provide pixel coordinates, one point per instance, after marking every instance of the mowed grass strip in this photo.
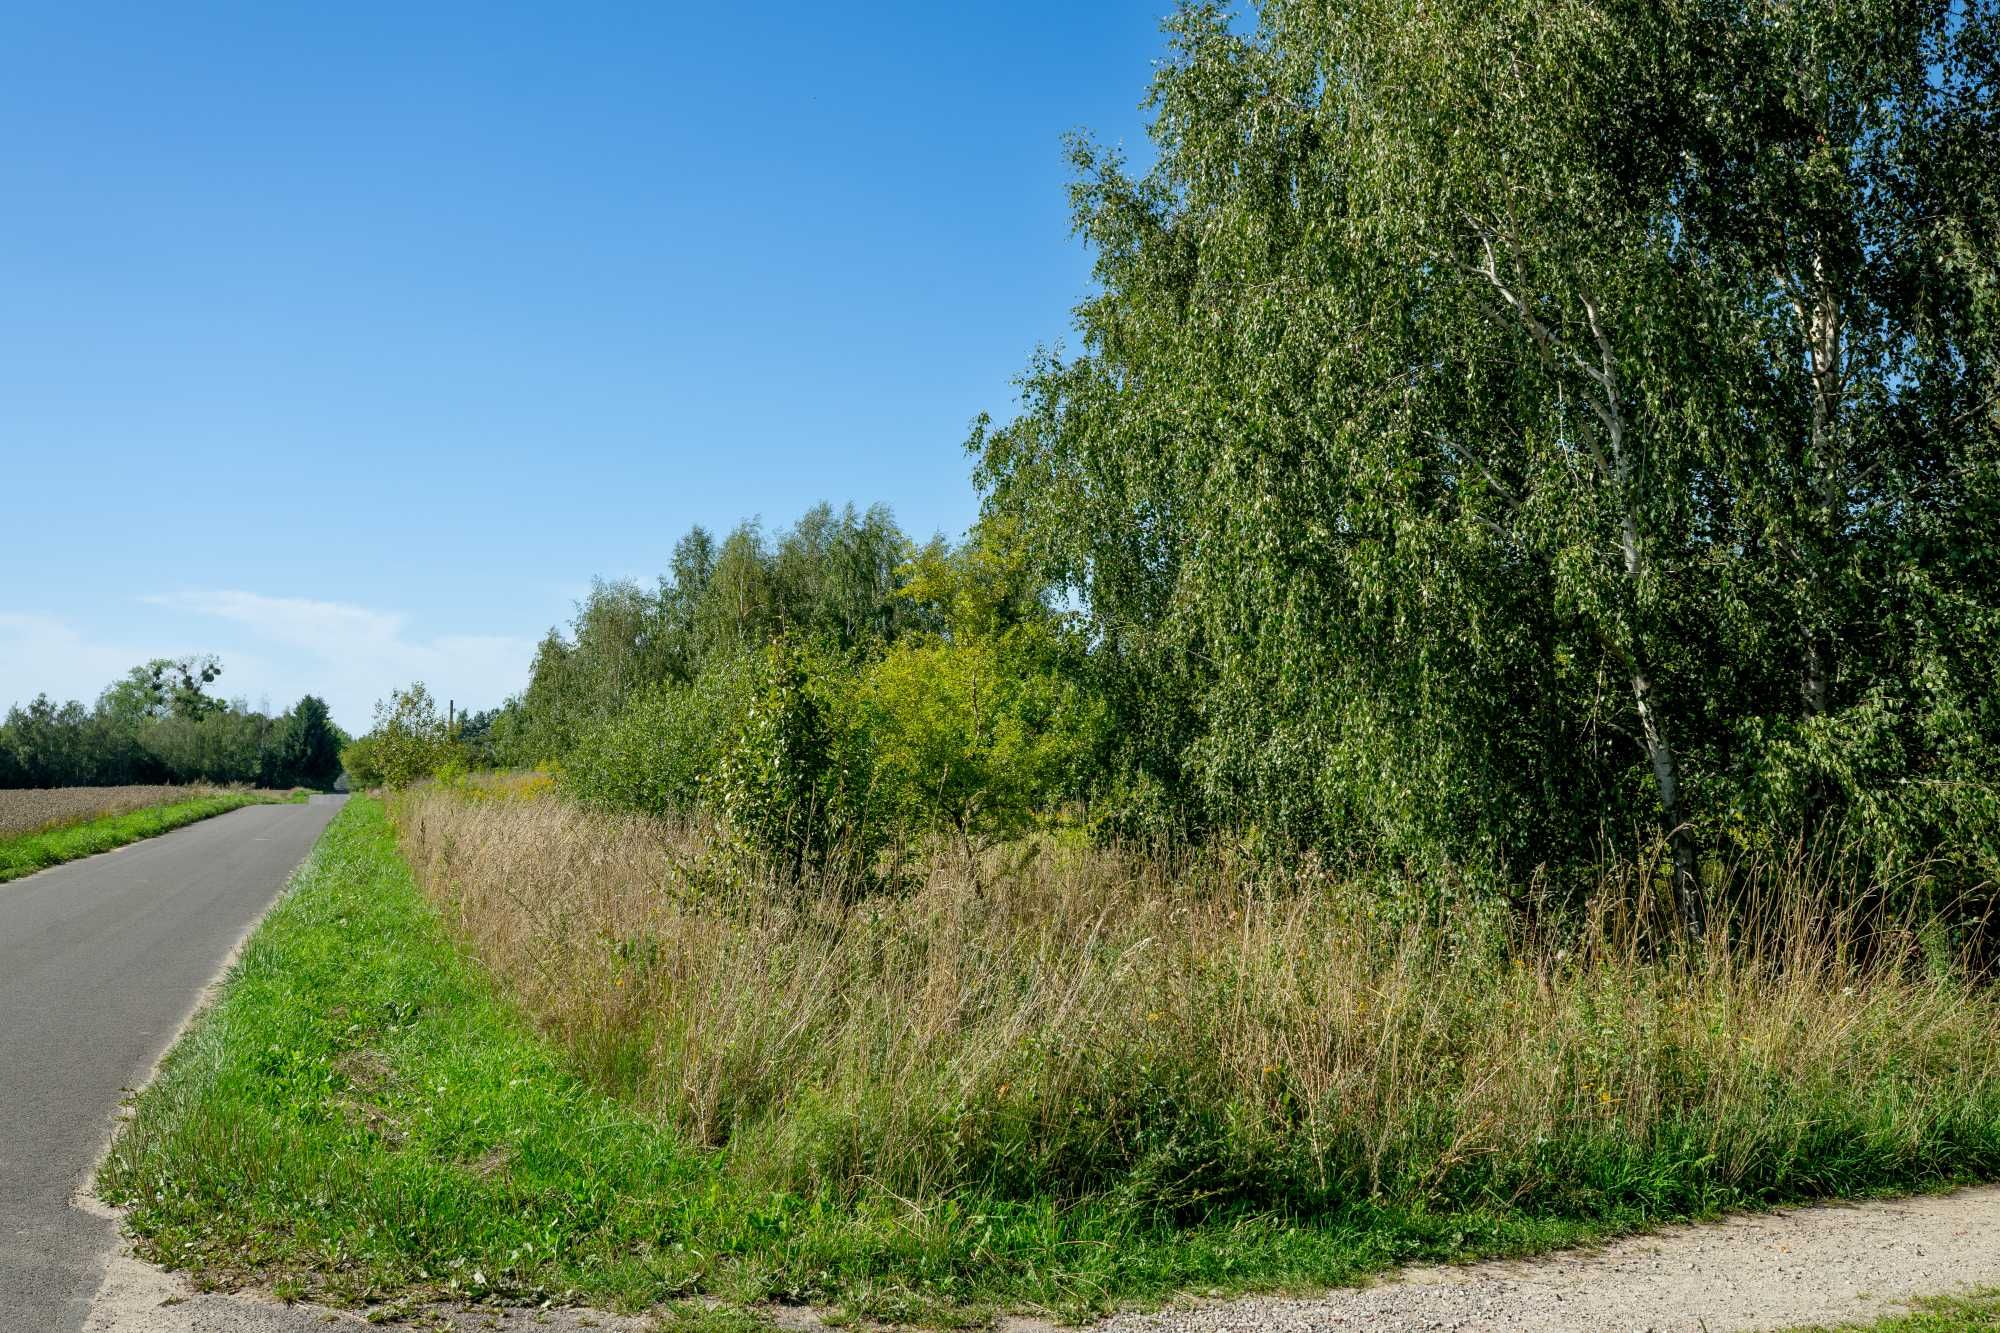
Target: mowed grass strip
(363, 1118)
(26, 854)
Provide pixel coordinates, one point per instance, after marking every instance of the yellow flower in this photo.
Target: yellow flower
(1155, 1016)
(1604, 1096)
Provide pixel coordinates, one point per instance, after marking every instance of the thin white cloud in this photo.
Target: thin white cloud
(354, 655)
(273, 650)
(46, 655)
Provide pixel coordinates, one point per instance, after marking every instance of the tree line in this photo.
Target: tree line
(1501, 435)
(830, 690)
(159, 723)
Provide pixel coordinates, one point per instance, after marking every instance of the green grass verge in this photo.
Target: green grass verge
(38, 851)
(360, 1118)
(1941, 1314)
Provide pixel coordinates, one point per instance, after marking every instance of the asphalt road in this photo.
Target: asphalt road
(101, 961)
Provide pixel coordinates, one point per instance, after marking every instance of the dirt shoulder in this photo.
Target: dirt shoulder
(1832, 1264)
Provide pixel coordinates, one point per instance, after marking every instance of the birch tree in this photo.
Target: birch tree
(1500, 426)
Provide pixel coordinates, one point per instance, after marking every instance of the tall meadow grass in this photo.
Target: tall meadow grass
(1175, 1037)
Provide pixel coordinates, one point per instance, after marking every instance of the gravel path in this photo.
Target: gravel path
(1825, 1265)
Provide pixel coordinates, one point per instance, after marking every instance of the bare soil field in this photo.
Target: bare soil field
(38, 809)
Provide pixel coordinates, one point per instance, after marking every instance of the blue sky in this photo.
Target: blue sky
(350, 341)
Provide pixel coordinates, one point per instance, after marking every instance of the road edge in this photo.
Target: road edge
(129, 1287)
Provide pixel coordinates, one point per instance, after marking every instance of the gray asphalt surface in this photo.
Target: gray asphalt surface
(100, 962)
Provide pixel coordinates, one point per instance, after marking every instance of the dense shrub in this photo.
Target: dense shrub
(361, 759)
(657, 754)
(794, 780)
(410, 739)
(978, 735)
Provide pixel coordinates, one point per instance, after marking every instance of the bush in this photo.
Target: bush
(656, 755)
(977, 736)
(363, 761)
(793, 781)
(410, 740)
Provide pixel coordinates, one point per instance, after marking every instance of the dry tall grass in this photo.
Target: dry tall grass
(38, 809)
(1176, 1035)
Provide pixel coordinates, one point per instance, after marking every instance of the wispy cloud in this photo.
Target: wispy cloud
(47, 655)
(355, 655)
(274, 649)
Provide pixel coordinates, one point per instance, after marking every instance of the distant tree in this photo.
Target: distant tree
(736, 608)
(409, 740)
(474, 736)
(180, 683)
(134, 699)
(50, 743)
(305, 746)
(360, 759)
(158, 724)
(224, 744)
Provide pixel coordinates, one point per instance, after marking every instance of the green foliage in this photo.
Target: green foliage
(361, 760)
(409, 739)
(156, 724)
(658, 754)
(305, 746)
(178, 685)
(1502, 427)
(793, 781)
(217, 745)
(990, 722)
(475, 735)
(50, 745)
(829, 579)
